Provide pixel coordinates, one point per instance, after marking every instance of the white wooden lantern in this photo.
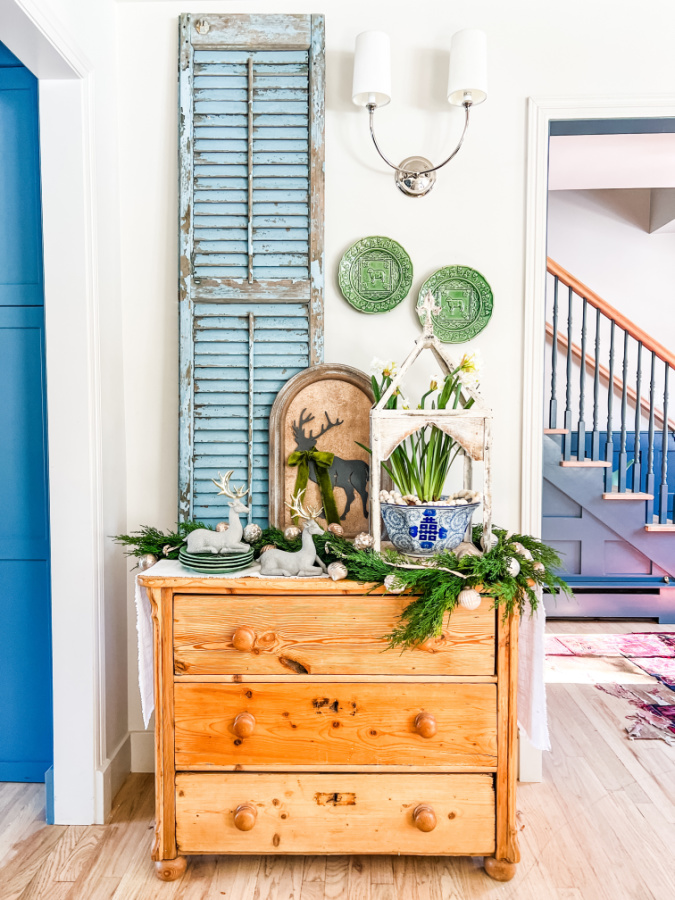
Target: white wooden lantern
(470, 428)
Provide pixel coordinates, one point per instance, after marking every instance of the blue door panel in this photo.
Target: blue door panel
(20, 207)
(26, 738)
(25, 649)
(23, 434)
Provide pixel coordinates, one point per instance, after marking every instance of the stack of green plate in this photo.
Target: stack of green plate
(216, 564)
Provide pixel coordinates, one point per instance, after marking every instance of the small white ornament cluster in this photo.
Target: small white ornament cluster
(461, 498)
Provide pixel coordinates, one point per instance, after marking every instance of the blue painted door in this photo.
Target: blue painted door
(25, 608)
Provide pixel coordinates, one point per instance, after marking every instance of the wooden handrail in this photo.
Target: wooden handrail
(617, 383)
(647, 341)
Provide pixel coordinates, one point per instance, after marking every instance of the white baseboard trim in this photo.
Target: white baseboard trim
(110, 778)
(142, 751)
(529, 760)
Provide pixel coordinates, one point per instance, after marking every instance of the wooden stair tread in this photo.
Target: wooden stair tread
(658, 526)
(585, 463)
(556, 431)
(627, 495)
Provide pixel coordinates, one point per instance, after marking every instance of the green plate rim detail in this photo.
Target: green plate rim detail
(350, 257)
(467, 273)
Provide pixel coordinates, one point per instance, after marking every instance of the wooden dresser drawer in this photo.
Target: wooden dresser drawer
(328, 814)
(346, 724)
(311, 635)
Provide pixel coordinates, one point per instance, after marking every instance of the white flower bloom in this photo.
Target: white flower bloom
(437, 382)
(382, 367)
(470, 367)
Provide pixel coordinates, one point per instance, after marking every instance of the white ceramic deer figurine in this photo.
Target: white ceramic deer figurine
(304, 562)
(202, 540)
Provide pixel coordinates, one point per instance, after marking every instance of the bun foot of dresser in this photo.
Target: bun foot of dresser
(499, 869)
(170, 869)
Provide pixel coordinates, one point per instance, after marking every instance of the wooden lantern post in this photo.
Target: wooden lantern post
(470, 428)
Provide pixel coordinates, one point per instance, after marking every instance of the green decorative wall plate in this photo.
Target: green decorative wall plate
(375, 274)
(465, 299)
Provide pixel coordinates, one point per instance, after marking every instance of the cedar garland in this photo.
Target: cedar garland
(433, 591)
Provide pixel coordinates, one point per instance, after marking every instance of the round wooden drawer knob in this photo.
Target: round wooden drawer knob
(244, 725)
(425, 725)
(424, 818)
(243, 638)
(245, 815)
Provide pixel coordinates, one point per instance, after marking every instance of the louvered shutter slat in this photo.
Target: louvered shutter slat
(251, 241)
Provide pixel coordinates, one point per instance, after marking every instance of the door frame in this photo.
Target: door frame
(541, 112)
(73, 402)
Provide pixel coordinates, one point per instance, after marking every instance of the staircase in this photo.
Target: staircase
(609, 457)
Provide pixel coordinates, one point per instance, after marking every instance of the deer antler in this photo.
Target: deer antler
(328, 426)
(224, 485)
(298, 508)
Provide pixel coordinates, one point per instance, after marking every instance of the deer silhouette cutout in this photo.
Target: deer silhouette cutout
(349, 474)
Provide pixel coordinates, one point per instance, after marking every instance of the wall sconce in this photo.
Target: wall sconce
(467, 87)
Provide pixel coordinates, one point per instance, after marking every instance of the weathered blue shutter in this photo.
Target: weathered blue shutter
(251, 234)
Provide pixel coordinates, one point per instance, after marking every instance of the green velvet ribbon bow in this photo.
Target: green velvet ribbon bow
(322, 463)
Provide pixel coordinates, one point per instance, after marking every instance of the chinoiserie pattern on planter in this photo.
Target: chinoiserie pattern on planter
(427, 529)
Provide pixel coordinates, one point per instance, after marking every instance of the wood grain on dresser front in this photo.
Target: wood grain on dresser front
(314, 635)
(342, 725)
(329, 814)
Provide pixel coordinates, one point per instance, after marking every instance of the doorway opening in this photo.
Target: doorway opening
(608, 462)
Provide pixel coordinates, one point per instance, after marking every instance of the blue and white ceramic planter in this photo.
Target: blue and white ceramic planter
(426, 529)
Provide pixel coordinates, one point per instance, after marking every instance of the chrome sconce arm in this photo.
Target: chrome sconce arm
(416, 175)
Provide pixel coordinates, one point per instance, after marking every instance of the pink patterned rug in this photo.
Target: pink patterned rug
(663, 669)
(635, 646)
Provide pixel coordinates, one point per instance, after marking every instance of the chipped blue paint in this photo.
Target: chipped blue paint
(252, 169)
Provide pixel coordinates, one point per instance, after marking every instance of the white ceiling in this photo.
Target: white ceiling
(608, 161)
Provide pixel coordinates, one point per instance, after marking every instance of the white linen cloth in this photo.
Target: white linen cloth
(531, 688)
(532, 715)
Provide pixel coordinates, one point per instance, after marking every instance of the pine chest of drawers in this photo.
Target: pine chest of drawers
(283, 725)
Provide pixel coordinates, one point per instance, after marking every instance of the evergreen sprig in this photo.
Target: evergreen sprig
(151, 540)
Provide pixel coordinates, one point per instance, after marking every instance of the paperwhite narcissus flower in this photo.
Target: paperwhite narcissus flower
(469, 368)
(380, 367)
(436, 382)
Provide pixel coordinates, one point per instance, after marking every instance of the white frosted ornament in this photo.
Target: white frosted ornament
(363, 541)
(469, 599)
(522, 551)
(292, 532)
(393, 584)
(146, 561)
(252, 533)
(513, 567)
(337, 571)
(539, 567)
(222, 526)
(488, 543)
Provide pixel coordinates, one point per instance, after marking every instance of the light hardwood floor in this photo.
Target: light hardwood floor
(601, 826)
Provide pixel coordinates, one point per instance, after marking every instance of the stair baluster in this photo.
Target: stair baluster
(637, 473)
(663, 487)
(581, 426)
(567, 437)
(595, 440)
(609, 446)
(650, 480)
(553, 408)
(623, 455)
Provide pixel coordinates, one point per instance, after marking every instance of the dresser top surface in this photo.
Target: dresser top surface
(170, 573)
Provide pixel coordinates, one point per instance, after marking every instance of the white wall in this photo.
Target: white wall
(474, 215)
(85, 386)
(602, 238)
